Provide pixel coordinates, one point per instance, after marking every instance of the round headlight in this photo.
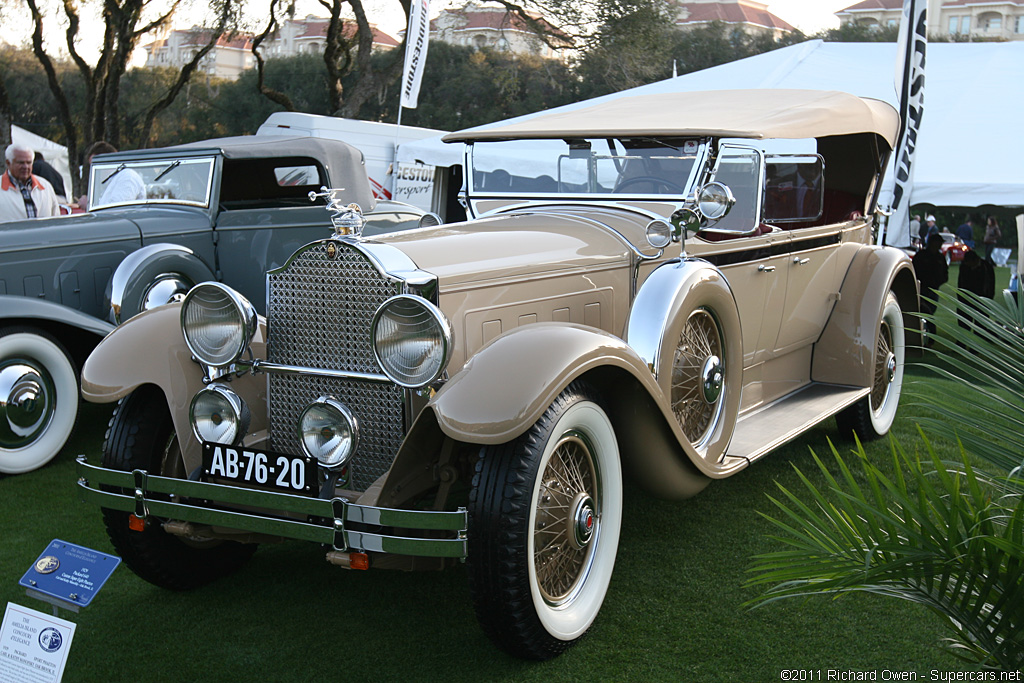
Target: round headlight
(328, 432)
(219, 415)
(411, 340)
(218, 323)
(659, 234)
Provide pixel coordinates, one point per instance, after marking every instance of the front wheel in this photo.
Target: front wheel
(141, 436)
(38, 398)
(544, 517)
(873, 415)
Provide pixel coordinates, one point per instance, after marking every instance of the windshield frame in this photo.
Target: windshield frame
(594, 151)
(158, 174)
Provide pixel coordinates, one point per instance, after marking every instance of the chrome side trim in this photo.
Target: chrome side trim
(326, 520)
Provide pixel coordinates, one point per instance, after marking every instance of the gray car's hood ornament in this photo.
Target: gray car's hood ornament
(347, 219)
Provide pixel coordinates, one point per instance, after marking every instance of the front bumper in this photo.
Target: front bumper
(327, 521)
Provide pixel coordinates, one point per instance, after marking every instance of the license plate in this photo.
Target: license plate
(292, 473)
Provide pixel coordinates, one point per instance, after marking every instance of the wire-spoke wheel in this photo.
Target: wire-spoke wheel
(872, 416)
(544, 517)
(698, 374)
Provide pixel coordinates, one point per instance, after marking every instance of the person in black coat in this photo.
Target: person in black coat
(41, 167)
(932, 273)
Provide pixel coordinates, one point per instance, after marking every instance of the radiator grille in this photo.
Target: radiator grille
(319, 314)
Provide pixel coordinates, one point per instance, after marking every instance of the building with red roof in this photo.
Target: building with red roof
(748, 15)
(478, 25)
(962, 19)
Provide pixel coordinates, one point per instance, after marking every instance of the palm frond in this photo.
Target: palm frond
(940, 536)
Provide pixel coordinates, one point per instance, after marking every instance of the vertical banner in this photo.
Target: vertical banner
(416, 38)
(910, 59)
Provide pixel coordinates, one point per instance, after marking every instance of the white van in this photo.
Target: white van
(377, 142)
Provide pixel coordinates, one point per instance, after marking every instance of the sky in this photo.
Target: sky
(810, 16)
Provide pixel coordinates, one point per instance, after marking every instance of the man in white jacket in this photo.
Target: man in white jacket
(22, 194)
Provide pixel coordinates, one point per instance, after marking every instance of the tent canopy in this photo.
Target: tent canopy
(968, 153)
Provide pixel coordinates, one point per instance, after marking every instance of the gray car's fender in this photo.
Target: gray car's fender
(25, 309)
(153, 276)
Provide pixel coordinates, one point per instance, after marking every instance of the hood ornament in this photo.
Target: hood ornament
(347, 219)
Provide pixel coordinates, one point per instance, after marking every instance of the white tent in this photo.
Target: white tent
(968, 153)
(56, 155)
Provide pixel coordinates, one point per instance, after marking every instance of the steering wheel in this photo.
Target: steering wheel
(655, 180)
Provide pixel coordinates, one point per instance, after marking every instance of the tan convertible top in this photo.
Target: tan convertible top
(755, 114)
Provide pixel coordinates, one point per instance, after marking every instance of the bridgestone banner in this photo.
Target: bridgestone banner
(416, 39)
(910, 59)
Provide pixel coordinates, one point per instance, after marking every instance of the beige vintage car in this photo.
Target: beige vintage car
(668, 286)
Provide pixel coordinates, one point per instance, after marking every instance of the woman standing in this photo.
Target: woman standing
(992, 235)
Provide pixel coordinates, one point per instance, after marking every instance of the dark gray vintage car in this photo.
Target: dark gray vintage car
(161, 220)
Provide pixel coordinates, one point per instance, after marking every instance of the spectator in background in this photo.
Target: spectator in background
(965, 233)
(42, 168)
(22, 194)
(915, 226)
(978, 277)
(992, 236)
(121, 184)
(929, 228)
(932, 272)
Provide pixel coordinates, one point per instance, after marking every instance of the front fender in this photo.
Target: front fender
(150, 349)
(23, 307)
(142, 268)
(507, 386)
(844, 354)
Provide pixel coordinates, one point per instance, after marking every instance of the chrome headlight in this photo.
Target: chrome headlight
(219, 415)
(412, 340)
(328, 432)
(218, 323)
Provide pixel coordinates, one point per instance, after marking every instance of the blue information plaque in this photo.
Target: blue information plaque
(70, 573)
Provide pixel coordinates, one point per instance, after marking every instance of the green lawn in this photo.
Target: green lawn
(674, 610)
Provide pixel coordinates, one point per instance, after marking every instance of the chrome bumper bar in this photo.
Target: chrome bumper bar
(327, 522)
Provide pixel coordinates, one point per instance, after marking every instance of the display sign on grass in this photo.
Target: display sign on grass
(33, 646)
(70, 573)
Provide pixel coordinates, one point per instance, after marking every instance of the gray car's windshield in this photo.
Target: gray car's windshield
(176, 181)
(602, 166)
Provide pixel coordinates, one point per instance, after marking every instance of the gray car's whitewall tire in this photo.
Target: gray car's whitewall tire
(544, 518)
(873, 415)
(39, 391)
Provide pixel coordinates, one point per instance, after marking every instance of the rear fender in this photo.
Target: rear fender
(150, 349)
(152, 276)
(845, 352)
(507, 386)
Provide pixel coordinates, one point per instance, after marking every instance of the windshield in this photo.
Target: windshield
(176, 181)
(621, 166)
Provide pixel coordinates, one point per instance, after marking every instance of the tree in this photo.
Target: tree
(124, 26)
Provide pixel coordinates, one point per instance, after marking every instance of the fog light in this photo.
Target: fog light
(328, 432)
(219, 415)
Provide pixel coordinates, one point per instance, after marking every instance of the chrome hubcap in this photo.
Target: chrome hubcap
(712, 378)
(27, 402)
(890, 368)
(582, 521)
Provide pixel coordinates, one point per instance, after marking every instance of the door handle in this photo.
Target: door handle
(765, 269)
(797, 261)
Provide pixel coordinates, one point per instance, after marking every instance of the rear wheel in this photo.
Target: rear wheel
(141, 436)
(38, 398)
(873, 415)
(544, 517)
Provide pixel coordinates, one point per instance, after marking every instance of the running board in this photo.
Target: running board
(772, 425)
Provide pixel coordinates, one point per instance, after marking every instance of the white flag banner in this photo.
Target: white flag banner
(910, 60)
(416, 38)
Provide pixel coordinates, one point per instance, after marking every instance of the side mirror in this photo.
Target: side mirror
(714, 201)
